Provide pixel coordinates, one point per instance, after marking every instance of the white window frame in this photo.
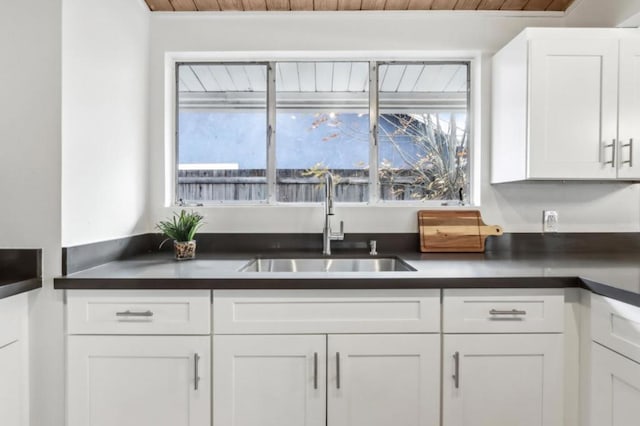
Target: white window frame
(173, 59)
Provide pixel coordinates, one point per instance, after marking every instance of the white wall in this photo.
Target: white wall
(602, 13)
(104, 119)
(518, 207)
(30, 180)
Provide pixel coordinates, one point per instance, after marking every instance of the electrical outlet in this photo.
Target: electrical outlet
(549, 221)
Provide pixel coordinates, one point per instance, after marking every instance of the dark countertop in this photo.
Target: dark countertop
(614, 275)
(20, 271)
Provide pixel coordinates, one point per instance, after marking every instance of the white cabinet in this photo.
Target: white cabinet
(269, 380)
(381, 380)
(314, 380)
(302, 358)
(503, 380)
(556, 109)
(615, 392)
(128, 373)
(503, 357)
(14, 377)
(138, 380)
(615, 362)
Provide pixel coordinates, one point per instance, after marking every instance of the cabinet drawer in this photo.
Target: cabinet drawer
(503, 311)
(138, 311)
(616, 325)
(326, 311)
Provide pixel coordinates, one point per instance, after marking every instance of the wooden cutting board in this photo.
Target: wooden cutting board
(453, 231)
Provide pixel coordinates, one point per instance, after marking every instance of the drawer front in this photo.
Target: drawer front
(503, 311)
(616, 325)
(138, 311)
(326, 311)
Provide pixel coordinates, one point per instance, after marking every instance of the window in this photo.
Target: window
(268, 132)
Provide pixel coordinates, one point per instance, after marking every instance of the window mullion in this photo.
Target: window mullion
(374, 193)
(271, 133)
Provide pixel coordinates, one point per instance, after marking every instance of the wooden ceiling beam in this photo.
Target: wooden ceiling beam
(349, 4)
(373, 4)
(467, 4)
(514, 5)
(230, 4)
(278, 5)
(207, 5)
(159, 5)
(396, 5)
(286, 5)
(252, 5)
(183, 5)
(325, 4)
(537, 5)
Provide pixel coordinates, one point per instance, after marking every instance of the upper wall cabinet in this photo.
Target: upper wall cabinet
(565, 105)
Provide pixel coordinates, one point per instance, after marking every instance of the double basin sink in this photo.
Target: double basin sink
(378, 264)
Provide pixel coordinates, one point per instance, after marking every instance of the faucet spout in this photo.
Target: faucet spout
(327, 234)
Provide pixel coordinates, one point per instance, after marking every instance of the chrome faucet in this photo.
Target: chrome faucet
(327, 235)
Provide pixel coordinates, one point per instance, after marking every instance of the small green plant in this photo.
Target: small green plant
(181, 227)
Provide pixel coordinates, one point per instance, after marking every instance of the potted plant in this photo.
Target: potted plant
(182, 228)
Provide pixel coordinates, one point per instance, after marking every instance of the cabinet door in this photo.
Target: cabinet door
(14, 371)
(615, 388)
(269, 380)
(503, 380)
(139, 381)
(573, 108)
(629, 125)
(382, 380)
(12, 385)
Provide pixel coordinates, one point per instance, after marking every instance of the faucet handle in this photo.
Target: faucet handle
(372, 245)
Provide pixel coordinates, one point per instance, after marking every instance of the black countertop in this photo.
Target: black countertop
(20, 271)
(615, 275)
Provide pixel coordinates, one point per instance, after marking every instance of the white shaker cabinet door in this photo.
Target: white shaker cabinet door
(615, 388)
(139, 381)
(503, 380)
(382, 380)
(573, 107)
(12, 385)
(629, 113)
(269, 380)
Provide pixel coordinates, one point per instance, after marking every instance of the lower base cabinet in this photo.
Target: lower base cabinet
(503, 380)
(615, 388)
(138, 381)
(14, 378)
(335, 380)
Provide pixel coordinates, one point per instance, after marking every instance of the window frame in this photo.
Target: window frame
(173, 61)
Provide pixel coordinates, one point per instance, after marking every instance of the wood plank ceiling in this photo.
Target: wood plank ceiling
(351, 5)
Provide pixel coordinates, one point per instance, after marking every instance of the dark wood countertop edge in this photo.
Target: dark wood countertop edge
(18, 287)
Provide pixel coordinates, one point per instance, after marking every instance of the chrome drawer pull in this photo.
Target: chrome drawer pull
(630, 146)
(511, 312)
(337, 370)
(128, 313)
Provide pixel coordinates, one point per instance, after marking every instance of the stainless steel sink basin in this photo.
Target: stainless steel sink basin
(378, 264)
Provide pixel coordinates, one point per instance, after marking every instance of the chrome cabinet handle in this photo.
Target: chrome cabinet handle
(612, 145)
(128, 313)
(337, 370)
(196, 374)
(511, 312)
(315, 370)
(456, 370)
(630, 146)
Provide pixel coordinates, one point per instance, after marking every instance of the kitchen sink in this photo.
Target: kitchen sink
(378, 264)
